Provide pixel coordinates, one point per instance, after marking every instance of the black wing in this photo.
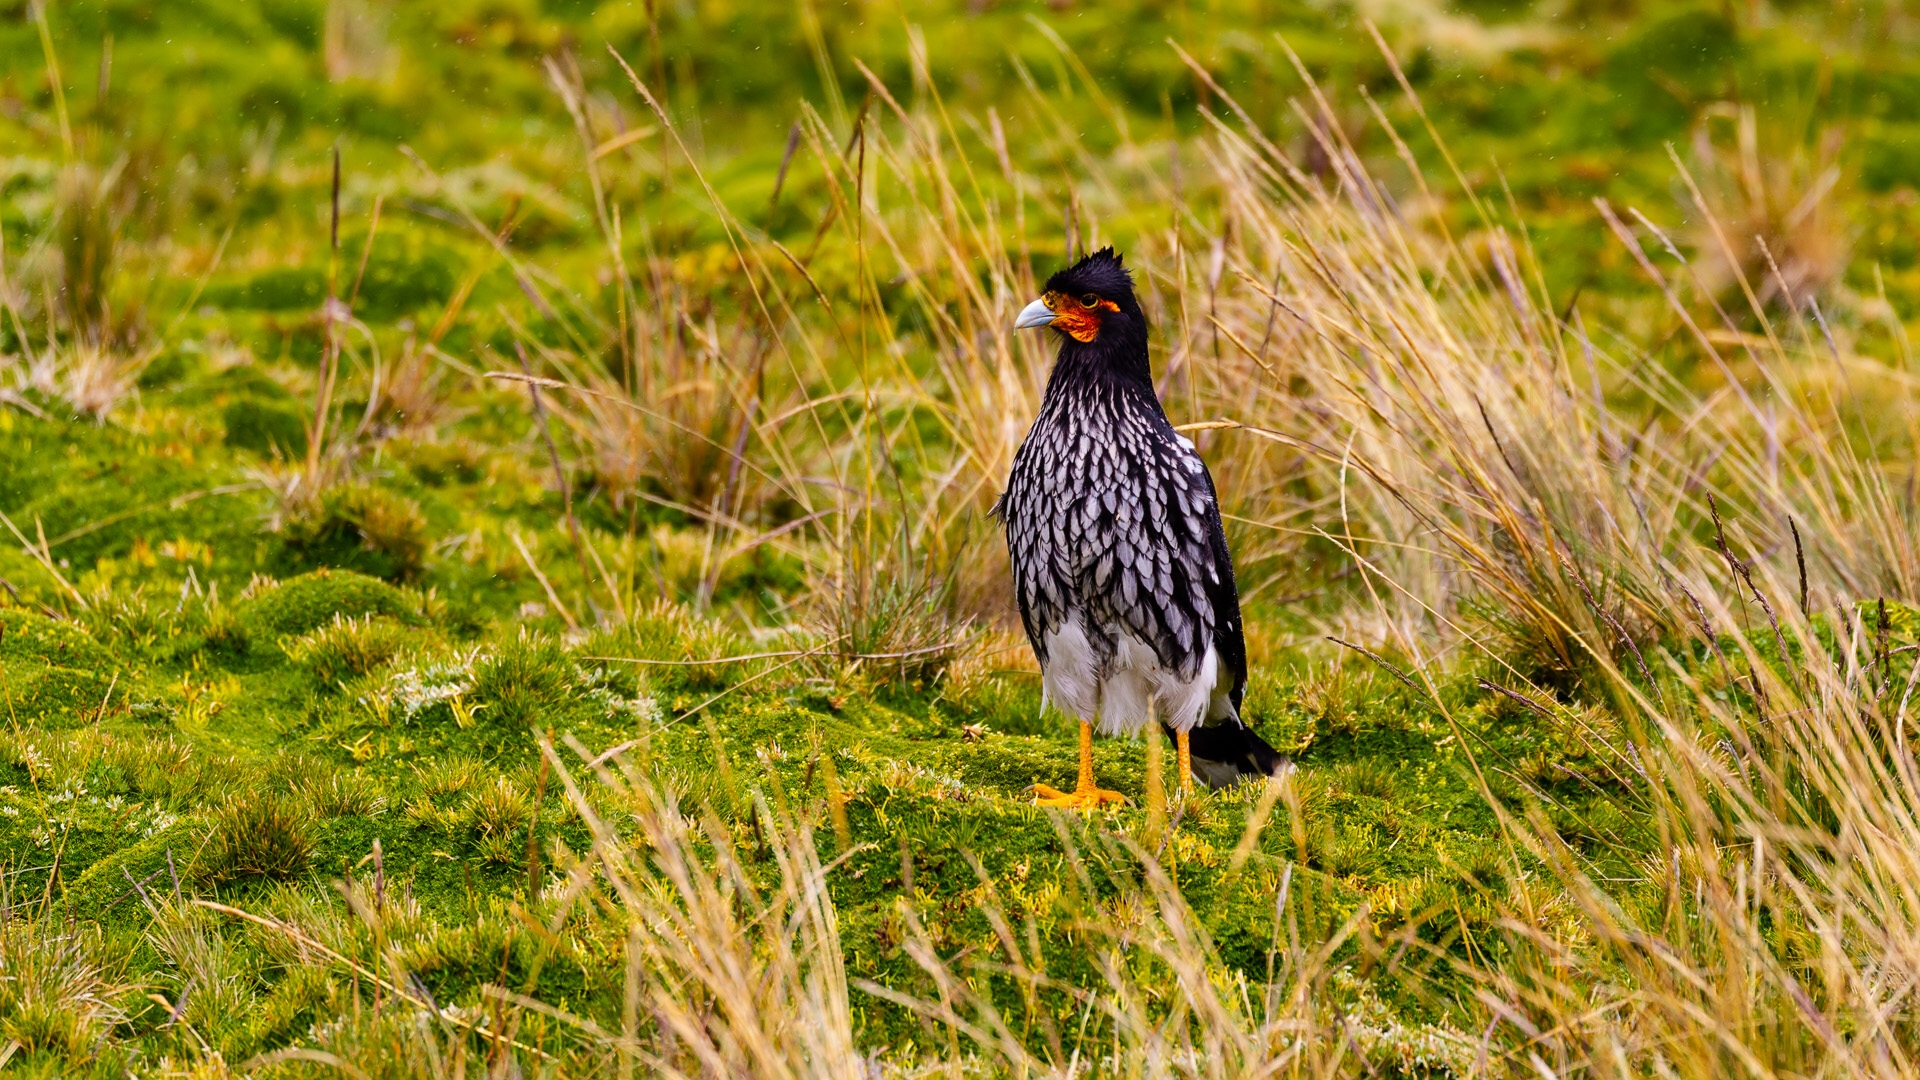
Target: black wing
(1158, 563)
(1035, 544)
(1229, 635)
(1225, 750)
(1124, 525)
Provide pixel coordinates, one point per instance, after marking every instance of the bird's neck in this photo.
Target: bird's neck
(1118, 364)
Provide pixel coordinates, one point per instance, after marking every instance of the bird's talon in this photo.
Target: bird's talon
(1079, 799)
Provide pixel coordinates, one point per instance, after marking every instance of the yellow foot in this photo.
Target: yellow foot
(1087, 798)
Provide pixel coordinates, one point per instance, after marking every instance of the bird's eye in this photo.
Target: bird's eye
(1089, 300)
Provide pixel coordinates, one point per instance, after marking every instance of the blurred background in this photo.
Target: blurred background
(168, 198)
(208, 122)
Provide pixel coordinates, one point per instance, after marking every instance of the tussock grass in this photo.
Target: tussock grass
(342, 795)
(348, 647)
(1494, 504)
(61, 995)
(256, 834)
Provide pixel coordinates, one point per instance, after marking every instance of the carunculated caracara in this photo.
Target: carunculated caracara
(1120, 565)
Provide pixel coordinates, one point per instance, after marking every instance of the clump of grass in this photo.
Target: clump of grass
(362, 526)
(88, 206)
(1768, 217)
(348, 647)
(523, 681)
(162, 768)
(674, 435)
(256, 834)
(59, 996)
(445, 778)
(343, 794)
(890, 621)
(88, 377)
(500, 849)
(499, 807)
(211, 1000)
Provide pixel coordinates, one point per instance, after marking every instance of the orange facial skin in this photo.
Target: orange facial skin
(1072, 317)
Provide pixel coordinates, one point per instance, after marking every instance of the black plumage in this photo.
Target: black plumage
(1120, 564)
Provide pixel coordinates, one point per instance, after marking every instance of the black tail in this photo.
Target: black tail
(1228, 753)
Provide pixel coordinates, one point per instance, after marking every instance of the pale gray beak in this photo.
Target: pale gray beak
(1034, 314)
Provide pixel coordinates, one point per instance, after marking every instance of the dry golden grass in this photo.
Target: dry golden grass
(1363, 378)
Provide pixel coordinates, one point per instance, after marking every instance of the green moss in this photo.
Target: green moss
(57, 696)
(1664, 70)
(306, 603)
(167, 369)
(298, 20)
(26, 636)
(102, 889)
(286, 288)
(54, 673)
(405, 272)
(266, 428)
(362, 527)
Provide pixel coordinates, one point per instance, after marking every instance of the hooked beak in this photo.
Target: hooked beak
(1034, 314)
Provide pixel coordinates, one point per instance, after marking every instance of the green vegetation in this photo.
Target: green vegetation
(525, 601)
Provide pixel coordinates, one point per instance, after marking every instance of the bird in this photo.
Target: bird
(1120, 564)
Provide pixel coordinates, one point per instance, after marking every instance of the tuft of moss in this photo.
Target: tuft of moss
(348, 647)
(303, 604)
(256, 834)
(363, 527)
(53, 671)
(404, 273)
(27, 636)
(271, 428)
(60, 697)
(281, 288)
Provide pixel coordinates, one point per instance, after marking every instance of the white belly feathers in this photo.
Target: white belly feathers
(1116, 693)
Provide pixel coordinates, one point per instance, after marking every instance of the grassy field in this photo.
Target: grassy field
(497, 576)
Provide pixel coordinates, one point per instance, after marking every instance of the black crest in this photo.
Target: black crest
(1100, 273)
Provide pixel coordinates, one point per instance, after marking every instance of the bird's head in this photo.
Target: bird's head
(1090, 302)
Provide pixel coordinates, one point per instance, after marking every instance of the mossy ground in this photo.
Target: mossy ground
(196, 705)
(183, 715)
(214, 701)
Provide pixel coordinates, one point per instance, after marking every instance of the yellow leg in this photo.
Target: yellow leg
(1086, 795)
(1186, 764)
(1156, 788)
